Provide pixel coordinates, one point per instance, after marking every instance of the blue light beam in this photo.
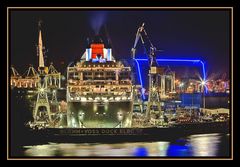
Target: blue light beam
(170, 60)
(140, 76)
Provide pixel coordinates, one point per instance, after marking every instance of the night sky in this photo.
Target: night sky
(180, 34)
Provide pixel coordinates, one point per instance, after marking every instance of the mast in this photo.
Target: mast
(42, 104)
(40, 46)
(43, 70)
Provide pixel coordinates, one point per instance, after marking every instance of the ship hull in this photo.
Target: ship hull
(99, 115)
(111, 135)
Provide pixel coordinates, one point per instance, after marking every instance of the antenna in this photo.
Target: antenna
(40, 23)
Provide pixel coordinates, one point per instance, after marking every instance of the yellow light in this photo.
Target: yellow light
(203, 83)
(181, 84)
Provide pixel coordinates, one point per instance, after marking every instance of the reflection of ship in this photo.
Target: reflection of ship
(99, 90)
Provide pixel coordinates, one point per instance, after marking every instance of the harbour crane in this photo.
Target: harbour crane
(155, 72)
(42, 97)
(149, 48)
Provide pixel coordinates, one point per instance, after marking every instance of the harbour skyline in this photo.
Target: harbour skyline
(180, 34)
(85, 79)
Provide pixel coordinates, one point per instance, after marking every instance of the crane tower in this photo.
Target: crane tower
(42, 107)
(154, 74)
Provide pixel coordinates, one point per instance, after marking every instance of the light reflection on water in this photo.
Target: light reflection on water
(205, 145)
(195, 145)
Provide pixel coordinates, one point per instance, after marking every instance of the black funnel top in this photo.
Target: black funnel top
(97, 39)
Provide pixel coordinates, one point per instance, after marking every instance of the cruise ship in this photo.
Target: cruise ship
(99, 90)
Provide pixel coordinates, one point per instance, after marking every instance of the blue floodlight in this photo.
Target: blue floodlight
(139, 76)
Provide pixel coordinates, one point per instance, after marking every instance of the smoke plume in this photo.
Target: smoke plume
(97, 20)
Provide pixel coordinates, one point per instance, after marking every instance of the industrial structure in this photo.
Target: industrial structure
(28, 80)
(156, 77)
(42, 111)
(14, 77)
(100, 92)
(137, 99)
(44, 82)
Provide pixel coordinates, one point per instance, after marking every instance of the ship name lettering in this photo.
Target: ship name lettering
(91, 131)
(127, 131)
(109, 131)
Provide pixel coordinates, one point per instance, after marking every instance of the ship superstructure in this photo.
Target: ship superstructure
(99, 90)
